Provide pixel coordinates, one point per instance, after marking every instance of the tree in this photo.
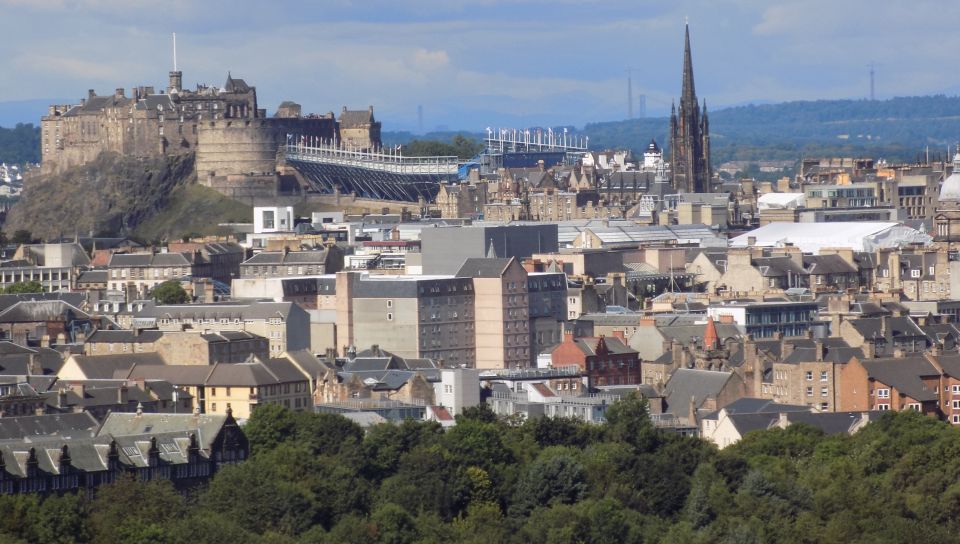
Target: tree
(556, 477)
(24, 287)
(170, 292)
(135, 508)
(22, 236)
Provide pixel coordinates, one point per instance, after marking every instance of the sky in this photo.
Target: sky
(482, 63)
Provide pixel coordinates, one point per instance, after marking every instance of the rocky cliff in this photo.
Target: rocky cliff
(113, 195)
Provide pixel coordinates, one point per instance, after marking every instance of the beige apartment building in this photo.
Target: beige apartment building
(411, 316)
(238, 387)
(180, 347)
(285, 325)
(502, 324)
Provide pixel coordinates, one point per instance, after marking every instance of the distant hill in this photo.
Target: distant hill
(20, 144)
(898, 128)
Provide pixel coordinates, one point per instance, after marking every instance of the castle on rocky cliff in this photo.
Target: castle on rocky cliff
(224, 126)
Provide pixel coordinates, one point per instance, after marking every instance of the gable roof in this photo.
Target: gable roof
(688, 383)
(904, 374)
(475, 267)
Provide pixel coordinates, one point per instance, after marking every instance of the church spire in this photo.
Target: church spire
(689, 93)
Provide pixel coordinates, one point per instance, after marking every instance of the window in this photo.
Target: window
(915, 273)
(389, 304)
(955, 389)
(809, 375)
(824, 406)
(883, 407)
(823, 375)
(809, 391)
(389, 317)
(883, 393)
(213, 406)
(213, 391)
(915, 406)
(956, 404)
(955, 419)
(824, 391)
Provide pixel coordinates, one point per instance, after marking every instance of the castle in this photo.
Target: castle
(224, 126)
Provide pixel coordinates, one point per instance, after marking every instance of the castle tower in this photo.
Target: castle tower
(689, 134)
(176, 82)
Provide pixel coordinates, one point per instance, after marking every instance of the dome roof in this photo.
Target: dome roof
(950, 190)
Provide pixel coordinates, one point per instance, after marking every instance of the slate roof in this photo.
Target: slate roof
(41, 310)
(904, 374)
(688, 383)
(141, 260)
(93, 276)
(778, 267)
(839, 355)
(69, 425)
(483, 268)
(614, 345)
(288, 258)
(871, 327)
(827, 264)
(355, 118)
(18, 362)
(217, 311)
(103, 367)
(206, 426)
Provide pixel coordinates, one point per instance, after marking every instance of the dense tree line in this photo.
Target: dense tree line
(20, 144)
(320, 479)
(459, 146)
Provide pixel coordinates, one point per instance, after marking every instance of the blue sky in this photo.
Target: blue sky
(473, 64)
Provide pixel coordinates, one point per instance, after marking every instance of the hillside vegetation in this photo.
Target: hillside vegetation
(20, 144)
(122, 196)
(318, 478)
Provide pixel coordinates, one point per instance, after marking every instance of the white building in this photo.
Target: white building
(812, 237)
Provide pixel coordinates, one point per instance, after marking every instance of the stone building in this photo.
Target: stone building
(143, 124)
(690, 135)
(359, 130)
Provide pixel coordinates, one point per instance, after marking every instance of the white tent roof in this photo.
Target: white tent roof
(780, 201)
(812, 237)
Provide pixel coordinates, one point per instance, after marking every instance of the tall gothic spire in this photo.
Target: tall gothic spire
(689, 92)
(689, 133)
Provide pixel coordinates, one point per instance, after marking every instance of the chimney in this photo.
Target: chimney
(884, 326)
(119, 93)
(44, 341)
(91, 93)
(619, 334)
(786, 348)
(122, 396)
(782, 421)
(819, 350)
(869, 349)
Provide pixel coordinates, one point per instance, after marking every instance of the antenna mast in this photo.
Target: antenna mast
(174, 51)
(872, 96)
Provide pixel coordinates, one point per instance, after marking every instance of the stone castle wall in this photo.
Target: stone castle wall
(243, 147)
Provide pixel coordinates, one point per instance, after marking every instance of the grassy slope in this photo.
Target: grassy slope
(193, 209)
